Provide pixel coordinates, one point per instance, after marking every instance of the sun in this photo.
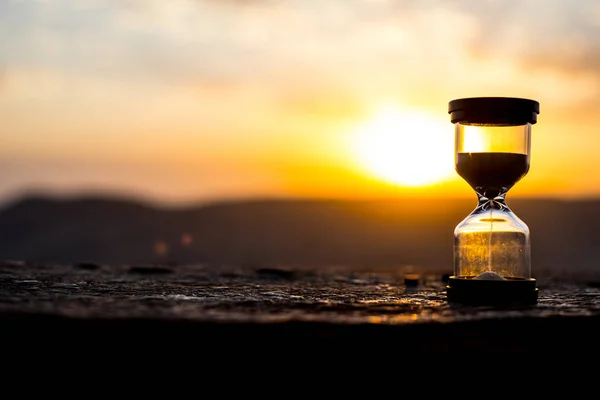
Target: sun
(406, 148)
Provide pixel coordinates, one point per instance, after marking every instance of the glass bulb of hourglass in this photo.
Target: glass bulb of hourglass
(492, 242)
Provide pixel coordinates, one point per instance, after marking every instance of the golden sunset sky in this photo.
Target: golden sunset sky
(188, 100)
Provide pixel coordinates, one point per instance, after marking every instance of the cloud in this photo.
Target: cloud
(561, 34)
(366, 49)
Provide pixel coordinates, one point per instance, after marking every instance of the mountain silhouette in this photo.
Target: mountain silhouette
(361, 234)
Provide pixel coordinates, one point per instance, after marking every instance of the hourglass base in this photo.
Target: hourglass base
(511, 291)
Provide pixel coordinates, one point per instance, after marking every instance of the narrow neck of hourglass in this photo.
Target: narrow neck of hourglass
(490, 200)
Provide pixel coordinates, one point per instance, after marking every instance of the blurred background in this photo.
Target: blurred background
(195, 102)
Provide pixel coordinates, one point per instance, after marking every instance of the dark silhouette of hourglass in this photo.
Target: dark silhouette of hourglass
(492, 263)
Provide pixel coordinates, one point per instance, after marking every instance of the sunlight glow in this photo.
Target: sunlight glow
(474, 140)
(405, 147)
(477, 139)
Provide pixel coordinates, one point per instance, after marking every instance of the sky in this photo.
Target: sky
(188, 100)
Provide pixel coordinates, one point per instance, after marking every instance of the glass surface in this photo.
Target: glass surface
(492, 243)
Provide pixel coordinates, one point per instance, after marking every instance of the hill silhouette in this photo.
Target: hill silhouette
(361, 234)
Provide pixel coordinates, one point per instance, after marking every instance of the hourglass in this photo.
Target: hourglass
(492, 263)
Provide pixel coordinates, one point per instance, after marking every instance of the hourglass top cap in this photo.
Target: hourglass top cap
(494, 110)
